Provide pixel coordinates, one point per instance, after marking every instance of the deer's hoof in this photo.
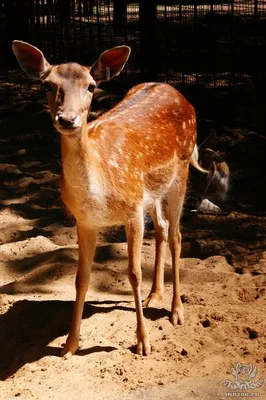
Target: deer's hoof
(70, 348)
(177, 316)
(143, 347)
(143, 342)
(152, 300)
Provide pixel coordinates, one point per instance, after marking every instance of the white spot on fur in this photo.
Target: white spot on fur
(113, 163)
(184, 125)
(96, 154)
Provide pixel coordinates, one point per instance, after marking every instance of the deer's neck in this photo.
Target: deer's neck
(82, 174)
(74, 152)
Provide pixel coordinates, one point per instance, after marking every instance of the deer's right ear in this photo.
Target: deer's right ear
(31, 59)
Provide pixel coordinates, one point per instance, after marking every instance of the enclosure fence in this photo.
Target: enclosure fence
(218, 45)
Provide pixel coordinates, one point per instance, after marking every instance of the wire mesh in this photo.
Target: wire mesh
(212, 44)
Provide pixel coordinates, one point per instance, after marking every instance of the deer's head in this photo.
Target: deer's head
(70, 86)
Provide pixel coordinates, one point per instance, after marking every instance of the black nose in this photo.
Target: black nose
(66, 122)
(66, 118)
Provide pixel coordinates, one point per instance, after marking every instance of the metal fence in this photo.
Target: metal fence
(211, 44)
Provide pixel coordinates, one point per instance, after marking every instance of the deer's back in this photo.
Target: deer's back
(153, 122)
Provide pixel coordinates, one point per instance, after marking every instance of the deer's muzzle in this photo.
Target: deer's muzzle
(67, 119)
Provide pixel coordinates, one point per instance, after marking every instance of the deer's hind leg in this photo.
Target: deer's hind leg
(161, 234)
(134, 231)
(176, 197)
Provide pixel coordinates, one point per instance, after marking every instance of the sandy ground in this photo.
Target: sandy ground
(222, 276)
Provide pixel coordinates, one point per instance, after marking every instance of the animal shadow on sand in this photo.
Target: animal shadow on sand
(28, 327)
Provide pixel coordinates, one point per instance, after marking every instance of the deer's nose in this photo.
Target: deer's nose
(66, 119)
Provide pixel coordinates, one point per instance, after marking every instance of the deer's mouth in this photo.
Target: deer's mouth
(67, 131)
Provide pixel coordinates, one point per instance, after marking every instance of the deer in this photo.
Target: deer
(214, 188)
(128, 162)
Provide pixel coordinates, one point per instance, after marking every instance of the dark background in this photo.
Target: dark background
(214, 51)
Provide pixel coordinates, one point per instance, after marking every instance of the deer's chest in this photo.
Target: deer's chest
(88, 196)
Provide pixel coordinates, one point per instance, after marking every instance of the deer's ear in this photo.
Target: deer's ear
(110, 63)
(31, 59)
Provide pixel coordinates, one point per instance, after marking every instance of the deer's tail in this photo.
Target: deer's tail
(194, 160)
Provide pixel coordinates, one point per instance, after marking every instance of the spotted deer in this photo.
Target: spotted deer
(118, 167)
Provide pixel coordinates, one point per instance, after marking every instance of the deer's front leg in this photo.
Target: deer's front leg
(135, 229)
(87, 243)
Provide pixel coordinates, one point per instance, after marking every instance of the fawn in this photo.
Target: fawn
(119, 166)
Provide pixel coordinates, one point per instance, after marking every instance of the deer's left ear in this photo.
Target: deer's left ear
(31, 59)
(110, 64)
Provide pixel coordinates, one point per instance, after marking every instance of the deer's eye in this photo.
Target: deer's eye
(59, 96)
(47, 87)
(91, 87)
